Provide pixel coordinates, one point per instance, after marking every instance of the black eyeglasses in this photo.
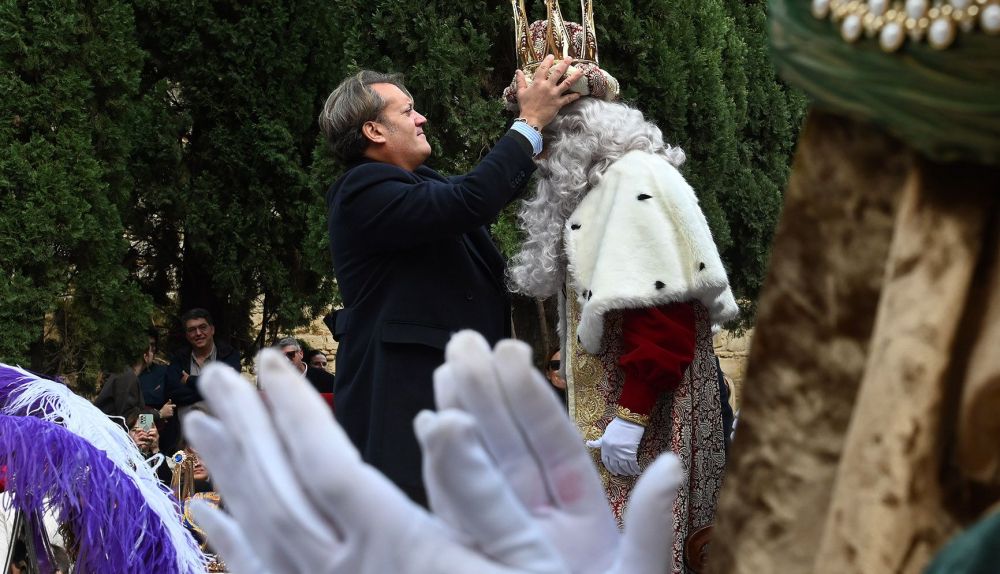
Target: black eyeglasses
(554, 365)
(290, 355)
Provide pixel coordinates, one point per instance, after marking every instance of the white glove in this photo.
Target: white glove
(620, 447)
(538, 463)
(301, 500)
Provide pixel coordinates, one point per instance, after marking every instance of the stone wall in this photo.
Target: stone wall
(732, 351)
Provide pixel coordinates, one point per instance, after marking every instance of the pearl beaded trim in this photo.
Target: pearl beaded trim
(892, 21)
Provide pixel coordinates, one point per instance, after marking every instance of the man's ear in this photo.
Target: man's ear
(373, 131)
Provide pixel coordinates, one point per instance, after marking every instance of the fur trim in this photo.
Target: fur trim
(639, 240)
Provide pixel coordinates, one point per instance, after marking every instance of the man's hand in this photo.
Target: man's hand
(546, 95)
(620, 446)
(167, 410)
(184, 377)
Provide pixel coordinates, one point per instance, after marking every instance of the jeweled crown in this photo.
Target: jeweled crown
(563, 40)
(557, 37)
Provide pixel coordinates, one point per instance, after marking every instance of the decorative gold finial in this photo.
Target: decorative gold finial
(589, 40)
(526, 56)
(557, 36)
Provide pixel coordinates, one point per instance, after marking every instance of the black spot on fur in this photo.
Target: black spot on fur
(701, 267)
(589, 294)
(643, 197)
(575, 226)
(660, 284)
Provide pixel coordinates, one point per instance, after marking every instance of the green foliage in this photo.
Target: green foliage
(226, 162)
(159, 155)
(67, 303)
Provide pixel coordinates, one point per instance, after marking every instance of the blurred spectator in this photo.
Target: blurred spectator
(316, 358)
(148, 441)
(202, 348)
(121, 397)
(152, 380)
(320, 378)
(61, 559)
(552, 373)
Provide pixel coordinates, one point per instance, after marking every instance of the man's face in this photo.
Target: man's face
(294, 355)
(150, 353)
(318, 361)
(400, 129)
(199, 333)
(198, 470)
(552, 372)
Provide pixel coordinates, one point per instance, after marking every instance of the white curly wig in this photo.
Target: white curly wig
(580, 144)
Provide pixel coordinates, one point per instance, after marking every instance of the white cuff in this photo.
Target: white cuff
(529, 132)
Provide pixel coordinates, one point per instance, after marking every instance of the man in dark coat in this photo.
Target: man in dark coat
(187, 363)
(121, 395)
(320, 379)
(186, 366)
(413, 256)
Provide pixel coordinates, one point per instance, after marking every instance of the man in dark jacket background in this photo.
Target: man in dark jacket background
(412, 253)
(187, 363)
(122, 396)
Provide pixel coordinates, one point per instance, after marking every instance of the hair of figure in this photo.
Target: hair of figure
(581, 143)
(352, 104)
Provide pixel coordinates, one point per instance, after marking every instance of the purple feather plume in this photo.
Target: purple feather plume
(121, 471)
(50, 467)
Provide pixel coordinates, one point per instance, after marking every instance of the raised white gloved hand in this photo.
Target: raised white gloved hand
(620, 447)
(504, 468)
(300, 500)
(539, 463)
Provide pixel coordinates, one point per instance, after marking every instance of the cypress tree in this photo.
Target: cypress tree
(67, 302)
(235, 90)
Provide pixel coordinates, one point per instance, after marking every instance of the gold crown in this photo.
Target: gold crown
(565, 41)
(557, 40)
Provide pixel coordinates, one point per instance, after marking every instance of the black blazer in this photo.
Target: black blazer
(415, 263)
(187, 393)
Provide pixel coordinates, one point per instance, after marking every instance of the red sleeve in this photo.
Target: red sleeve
(657, 347)
(3, 478)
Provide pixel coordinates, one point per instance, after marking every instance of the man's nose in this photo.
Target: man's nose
(421, 120)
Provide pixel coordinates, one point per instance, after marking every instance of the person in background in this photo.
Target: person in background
(148, 441)
(121, 396)
(319, 378)
(317, 358)
(553, 372)
(202, 348)
(153, 379)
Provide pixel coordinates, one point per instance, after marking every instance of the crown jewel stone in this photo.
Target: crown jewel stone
(891, 37)
(989, 18)
(941, 33)
(916, 8)
(851, 28)
(820, 8)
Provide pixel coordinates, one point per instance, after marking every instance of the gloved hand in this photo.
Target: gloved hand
(507, 473)
(536, 462)
(620, 446)
(301, 500)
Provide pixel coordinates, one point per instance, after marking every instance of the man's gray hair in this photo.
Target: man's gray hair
(349, 107)
(289, 342)
(581, 143)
